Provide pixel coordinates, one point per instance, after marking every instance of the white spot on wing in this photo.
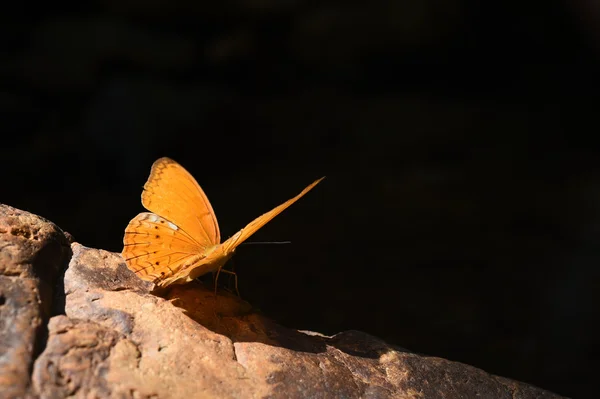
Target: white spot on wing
(173, 226)
(153, 218)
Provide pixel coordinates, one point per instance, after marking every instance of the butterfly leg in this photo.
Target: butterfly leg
(234, 276)
(216, 281)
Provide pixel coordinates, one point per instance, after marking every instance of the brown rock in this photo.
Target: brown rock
(74, 360)
(33, 251)
(161, 351)
(119, 340)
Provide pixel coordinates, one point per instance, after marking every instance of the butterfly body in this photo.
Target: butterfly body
(179, 239)
(197, 267)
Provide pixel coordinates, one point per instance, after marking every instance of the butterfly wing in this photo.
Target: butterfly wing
(172, 193)
(156, 249)
(231, 244)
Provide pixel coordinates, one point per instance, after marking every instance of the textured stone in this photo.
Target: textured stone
(119, 340)
(74, 361)
(161, 352)
(33, 251)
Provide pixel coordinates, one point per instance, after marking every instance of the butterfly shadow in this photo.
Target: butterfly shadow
(228, 315)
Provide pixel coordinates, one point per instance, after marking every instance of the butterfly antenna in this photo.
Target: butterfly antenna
(266, 242)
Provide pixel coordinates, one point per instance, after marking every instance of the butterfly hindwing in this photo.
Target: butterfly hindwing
(155, 248)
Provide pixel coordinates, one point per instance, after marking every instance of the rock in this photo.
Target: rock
(73, 359)
(119, 339)
(33, 251)
(159, 351)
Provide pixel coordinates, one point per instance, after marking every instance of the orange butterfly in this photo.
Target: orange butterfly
(180, 240)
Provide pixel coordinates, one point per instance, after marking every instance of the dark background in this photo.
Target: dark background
(460, 216)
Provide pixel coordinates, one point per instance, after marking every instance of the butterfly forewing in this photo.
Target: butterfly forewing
(252, 227)
(155, 248)
(171, 192)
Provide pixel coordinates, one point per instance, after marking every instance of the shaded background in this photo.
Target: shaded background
(460, 216)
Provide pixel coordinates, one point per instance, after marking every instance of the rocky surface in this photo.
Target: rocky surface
(33, 252)
(117, 339)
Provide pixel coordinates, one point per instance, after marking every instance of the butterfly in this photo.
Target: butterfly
(179, 239)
